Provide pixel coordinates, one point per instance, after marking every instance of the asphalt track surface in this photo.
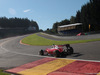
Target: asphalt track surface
(13, 54)
(69, 38)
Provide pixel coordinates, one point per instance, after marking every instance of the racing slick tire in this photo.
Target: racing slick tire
(41, 52)
(70, 51)
(63, 54)
(57, 53)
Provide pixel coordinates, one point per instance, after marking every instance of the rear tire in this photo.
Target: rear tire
(63, 54)
(57, 53)
(70, 51)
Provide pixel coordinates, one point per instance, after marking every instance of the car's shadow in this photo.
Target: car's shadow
(72, 55)
(77, 54)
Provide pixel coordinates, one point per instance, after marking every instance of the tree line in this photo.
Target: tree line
(16, 26)
(89, 14)
(17, 23)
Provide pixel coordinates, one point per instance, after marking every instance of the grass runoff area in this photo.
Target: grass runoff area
(40, 41)
(2, 73)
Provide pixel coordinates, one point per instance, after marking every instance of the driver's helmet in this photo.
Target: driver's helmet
(55, 46)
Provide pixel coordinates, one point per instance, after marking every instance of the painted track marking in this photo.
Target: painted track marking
(56, 66)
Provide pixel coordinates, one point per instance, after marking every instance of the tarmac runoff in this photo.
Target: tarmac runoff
(57, 66)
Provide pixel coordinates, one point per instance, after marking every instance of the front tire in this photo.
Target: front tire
(41, 52)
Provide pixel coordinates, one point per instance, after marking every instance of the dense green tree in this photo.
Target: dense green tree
(55, 26)
(64, 22)
(33, 23)
(78, 17)
(72, 20)
(17, 23)
(89, 14)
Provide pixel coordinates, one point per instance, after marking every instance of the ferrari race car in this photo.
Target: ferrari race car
(58, 50)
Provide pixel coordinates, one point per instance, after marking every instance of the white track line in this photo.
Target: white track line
(1, 45)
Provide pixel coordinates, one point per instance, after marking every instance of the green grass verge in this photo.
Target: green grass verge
(2, 73)
(40, 41)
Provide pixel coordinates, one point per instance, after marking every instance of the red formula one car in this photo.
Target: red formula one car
(58, 50)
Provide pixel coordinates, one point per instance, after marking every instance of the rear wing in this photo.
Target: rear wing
(67, 45)
(61, 46)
